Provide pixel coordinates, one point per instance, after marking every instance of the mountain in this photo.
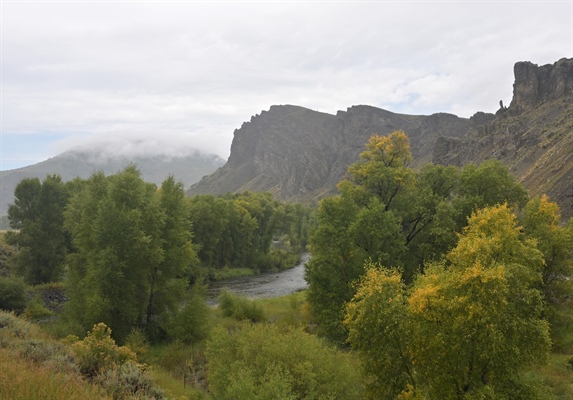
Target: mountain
(533, 136)
(300, 154)
(188, 169)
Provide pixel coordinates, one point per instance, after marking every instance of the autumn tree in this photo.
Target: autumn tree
(468, 327)
(37, 217)
(388, 213)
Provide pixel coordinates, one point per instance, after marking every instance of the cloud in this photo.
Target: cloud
(167, 76)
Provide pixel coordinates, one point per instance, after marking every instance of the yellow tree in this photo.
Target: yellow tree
(469, 326)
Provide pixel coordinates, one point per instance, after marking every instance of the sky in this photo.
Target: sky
(148, 77)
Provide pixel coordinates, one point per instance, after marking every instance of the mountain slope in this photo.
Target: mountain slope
(533, 136)
(69, 165)
(300, 154)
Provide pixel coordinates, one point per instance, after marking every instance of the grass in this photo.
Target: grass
(25, 380)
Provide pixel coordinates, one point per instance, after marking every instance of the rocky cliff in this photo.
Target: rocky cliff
(300, 154)
(533, 136)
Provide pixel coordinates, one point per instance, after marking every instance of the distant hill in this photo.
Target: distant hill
(299, 154)
(69, 165)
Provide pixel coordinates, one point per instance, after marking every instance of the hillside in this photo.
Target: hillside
(69, 165)
(300, 154)
(533, 136)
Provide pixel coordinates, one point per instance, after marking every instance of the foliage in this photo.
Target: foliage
(541, 222)
(263, 362)
(390, 214)
(37, 214)
(35, 310)
(98, 352)
(128, 379)
(12, 294)
(236, 231)
(466, 329)
(240, 308)
(133, 254)
(190, 323)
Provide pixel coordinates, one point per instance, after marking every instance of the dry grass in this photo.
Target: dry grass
(26, 380)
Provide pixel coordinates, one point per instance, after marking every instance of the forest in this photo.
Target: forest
(434, 283)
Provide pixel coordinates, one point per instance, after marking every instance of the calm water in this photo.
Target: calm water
(271, 284)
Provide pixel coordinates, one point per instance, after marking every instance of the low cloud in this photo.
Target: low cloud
(168, 77)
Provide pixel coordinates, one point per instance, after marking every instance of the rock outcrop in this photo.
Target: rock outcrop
(300, 154)
(533, 136)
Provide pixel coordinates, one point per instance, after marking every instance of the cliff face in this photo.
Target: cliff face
(533, 136)
(300, 154)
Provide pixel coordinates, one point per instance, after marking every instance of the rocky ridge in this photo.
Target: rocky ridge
(300, 154)
(533, 136)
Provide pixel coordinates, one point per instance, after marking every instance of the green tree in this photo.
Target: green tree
(394, 215)
(37, 215)
(132, 252)
(541, 222)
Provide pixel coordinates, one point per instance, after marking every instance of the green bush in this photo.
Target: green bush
(35, 310)
(190, 324)
(12, 294)
(240, 308)
(261, 361)
(98, 352)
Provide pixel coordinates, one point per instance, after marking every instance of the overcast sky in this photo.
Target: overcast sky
(148, 76)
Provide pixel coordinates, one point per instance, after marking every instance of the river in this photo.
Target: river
(269, 284)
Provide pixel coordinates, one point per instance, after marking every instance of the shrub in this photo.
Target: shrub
(14, 326)
(240, 308)
(98, 351)
(128, 379)
(261, 361)
(12, 294)
(35, 310)
(190, 324)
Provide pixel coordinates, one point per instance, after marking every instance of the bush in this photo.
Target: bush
(14, 326)
(128, 379)
(240, 308)
(35, 310)
(12, 294)
(190, 324)
(98, 352)
(261, 361)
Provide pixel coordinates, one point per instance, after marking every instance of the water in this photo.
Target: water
(270, 284)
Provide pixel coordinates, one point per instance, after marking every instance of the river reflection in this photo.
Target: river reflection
(270, 284)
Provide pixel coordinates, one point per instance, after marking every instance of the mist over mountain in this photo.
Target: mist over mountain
(300, 154)
(187, 167)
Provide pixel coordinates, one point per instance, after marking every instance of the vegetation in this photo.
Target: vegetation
(390, 214)
(437, 283)
(468, 328)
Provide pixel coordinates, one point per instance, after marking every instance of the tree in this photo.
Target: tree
(132, 253)
(377, 319)
(541, 222)
(466, 329)
(37, 214)
(396, 216)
